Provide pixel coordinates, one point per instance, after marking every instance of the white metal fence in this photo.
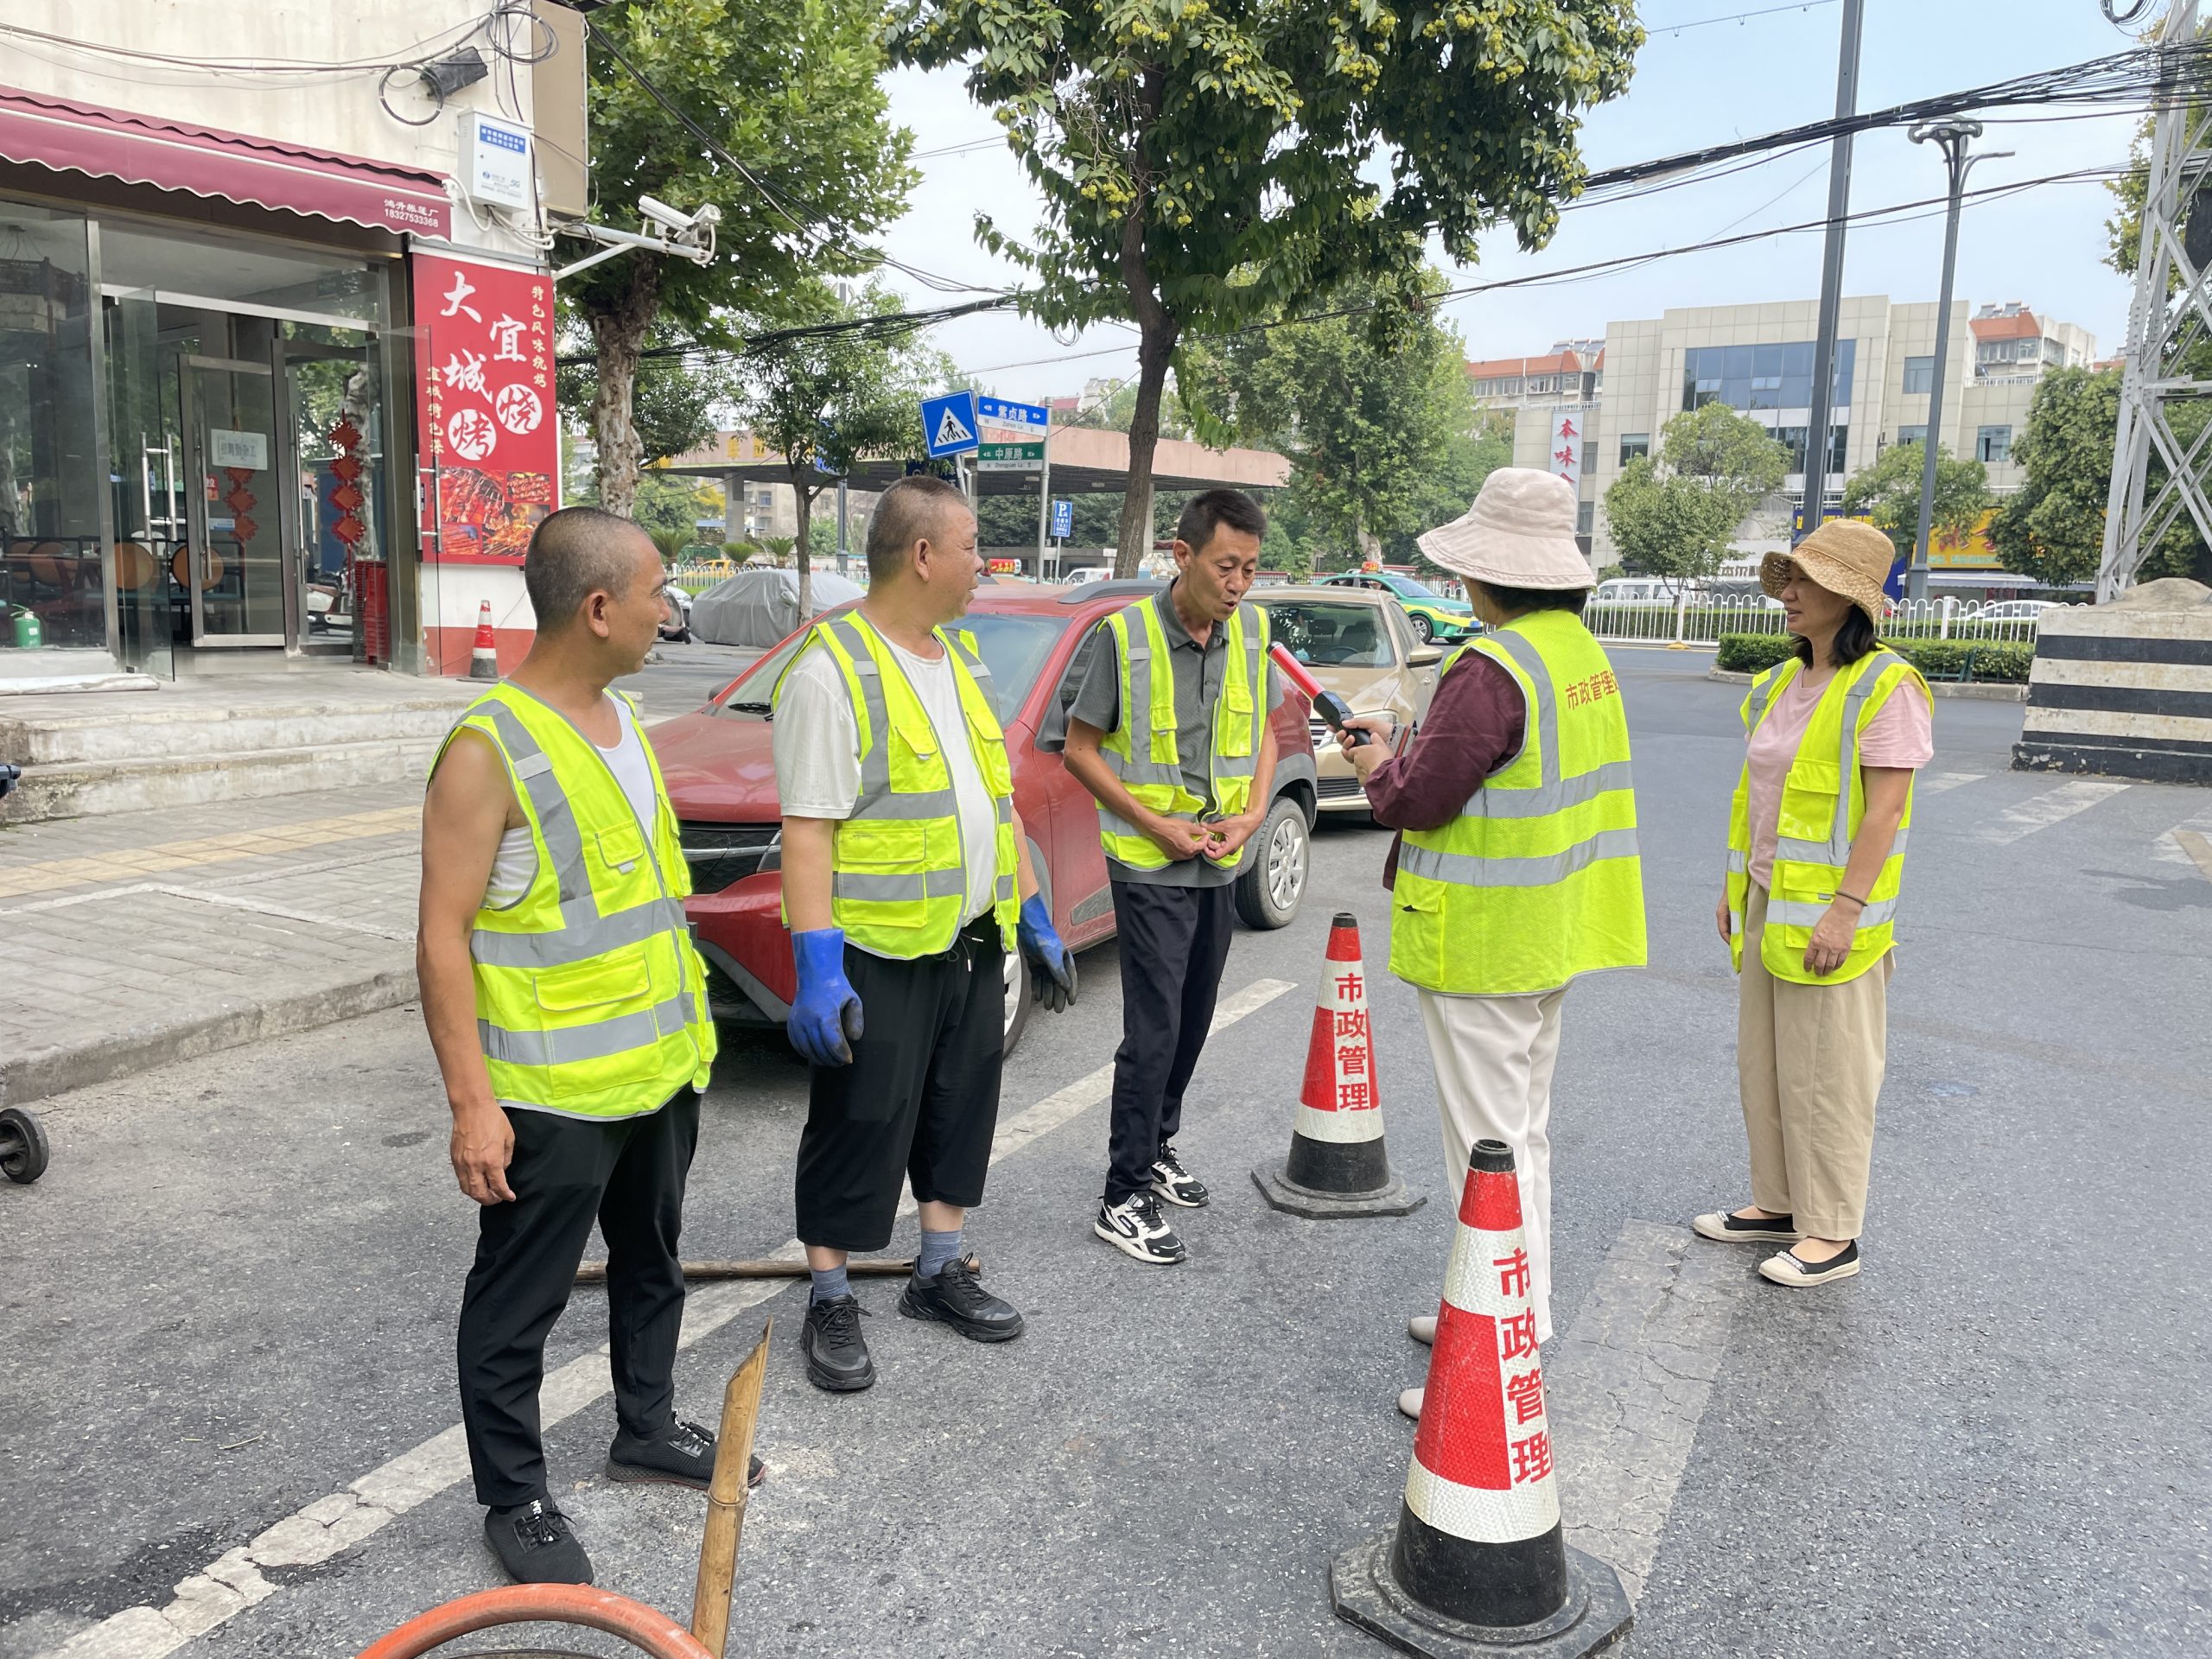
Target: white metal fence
(1694, 619)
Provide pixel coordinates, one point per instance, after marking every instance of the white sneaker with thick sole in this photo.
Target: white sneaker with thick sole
(1409, 1402)
(1134, 1227)
(1422, 1328)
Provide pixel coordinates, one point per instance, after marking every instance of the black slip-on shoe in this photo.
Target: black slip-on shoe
(534, 1545)
(1722, 1227)
(837, 1354)
(1786, 1268)
(1176, 1183)
(956, 1298)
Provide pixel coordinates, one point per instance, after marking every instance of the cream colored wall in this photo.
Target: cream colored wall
(332, 112)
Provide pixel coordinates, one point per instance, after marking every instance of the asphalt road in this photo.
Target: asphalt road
(233, 1295)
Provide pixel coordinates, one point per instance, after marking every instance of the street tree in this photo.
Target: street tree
(1673, 515)
(1364, 405)
(1204, 167)
(2053, 527)
(798, 155)
(824, 401)
(1887, 495)
(676, 404)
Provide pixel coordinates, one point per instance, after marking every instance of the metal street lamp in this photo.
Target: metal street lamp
(1953, 135)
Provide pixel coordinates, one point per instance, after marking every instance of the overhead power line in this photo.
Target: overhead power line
(1655, 31)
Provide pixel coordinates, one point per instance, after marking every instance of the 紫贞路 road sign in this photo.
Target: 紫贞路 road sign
(998, 411)
(1011, 457)
(948, 423)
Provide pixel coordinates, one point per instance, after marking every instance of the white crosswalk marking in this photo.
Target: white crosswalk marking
(2040, 812)
(1935, 783)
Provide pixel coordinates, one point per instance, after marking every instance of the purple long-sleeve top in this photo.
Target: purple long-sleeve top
(1473, 728)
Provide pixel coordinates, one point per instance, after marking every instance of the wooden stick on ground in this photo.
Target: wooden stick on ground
(725, 1499)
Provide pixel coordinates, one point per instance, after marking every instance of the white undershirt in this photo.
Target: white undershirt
(516, 864)
(818, 754)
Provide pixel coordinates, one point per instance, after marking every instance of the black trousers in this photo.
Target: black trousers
(1174, 943)
(920, 1100)
(627, 1173)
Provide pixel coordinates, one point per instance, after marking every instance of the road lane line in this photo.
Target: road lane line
(309, 1537)
(2040, 812)
(1935, 783)
(1628, 1383)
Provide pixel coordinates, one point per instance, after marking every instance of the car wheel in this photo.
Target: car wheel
(1424, 630)
(1018, 1002)
(1268, 893)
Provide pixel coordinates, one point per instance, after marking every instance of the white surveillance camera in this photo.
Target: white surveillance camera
(664, 215)
(707, 216)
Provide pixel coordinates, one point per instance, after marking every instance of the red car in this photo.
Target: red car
(721, 777)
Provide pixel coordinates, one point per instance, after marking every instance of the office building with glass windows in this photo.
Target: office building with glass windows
(1758, 360)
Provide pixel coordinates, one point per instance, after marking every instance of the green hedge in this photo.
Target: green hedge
(1748, 653)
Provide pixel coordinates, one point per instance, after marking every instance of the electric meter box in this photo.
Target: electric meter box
(495, 166)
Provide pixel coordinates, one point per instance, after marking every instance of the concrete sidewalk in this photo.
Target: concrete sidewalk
(138, 939)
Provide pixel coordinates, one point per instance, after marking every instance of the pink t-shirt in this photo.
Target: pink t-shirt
(1902, 735)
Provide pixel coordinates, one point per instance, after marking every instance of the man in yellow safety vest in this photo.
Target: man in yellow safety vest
(902, 857)
(1518, 870)
(568, 1013)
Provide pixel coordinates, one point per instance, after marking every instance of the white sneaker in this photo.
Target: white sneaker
(1176, 1183)
(1134, 1227)
(1409, 1402)
(1422, 1328)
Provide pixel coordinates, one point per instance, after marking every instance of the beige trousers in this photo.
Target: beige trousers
(1809, 1059)
(1493, 1057)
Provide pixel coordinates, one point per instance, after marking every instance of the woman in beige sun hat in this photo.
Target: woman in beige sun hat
(1817, 845)
(1515, 870)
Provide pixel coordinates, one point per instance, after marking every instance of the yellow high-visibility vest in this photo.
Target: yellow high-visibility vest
(1141, 749)
(1823, 799)
(1539, 878)
(590, 1000)
(899, 868)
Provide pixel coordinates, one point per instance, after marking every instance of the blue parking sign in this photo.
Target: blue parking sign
(1063, 519)
(948, 423)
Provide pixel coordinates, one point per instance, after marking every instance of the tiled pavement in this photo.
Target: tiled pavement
(131, 940)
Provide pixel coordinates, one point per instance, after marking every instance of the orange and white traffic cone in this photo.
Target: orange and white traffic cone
(1338, 1165)
(484, 655)
(1478, 1563)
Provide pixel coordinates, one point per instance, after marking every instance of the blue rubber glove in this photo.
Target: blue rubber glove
(1051, 969)
(825, 1018)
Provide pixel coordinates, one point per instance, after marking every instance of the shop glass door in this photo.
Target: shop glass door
(235, 569)
(146, 438)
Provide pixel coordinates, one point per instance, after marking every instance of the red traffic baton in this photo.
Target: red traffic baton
(1326, 704)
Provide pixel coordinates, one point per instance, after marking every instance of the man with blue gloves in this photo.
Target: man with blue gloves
(902, 857)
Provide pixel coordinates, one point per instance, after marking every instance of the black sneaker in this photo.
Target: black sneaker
(1722, 1227)
(534, 1545)
(682, 1455)
(837, 1353)
(957, 1299)
(1134, 1227)
(1176, 1183)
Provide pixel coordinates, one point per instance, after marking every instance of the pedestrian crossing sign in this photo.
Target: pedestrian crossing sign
(948, 423)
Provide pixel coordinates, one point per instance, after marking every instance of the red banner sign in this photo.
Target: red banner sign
(490, 448)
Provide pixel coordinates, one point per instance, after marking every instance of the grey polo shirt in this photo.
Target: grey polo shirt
(1199, 670)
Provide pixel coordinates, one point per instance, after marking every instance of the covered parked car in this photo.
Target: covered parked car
(721, 771)
(1359, 645)
(758, 608)
(1428, 612)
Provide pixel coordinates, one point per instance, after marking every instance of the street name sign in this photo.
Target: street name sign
(1011, 457)
(999, 412)
(948, 423)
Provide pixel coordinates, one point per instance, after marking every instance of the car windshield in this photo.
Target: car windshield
(1324, 633)
(1014, 648)
(1408, 588)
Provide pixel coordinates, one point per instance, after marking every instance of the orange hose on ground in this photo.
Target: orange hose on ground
(525, 1603)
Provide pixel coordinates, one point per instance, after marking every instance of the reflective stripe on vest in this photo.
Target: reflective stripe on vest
(1538, 880)
(899, 872)
(1144, 750)
(1809, 868)
(590, 1000)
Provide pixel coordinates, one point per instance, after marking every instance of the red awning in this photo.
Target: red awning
(54, 132)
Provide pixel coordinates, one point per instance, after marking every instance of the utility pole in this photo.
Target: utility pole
(843, 552)
(1045, 496)
(1820, 418)
(1953, 136)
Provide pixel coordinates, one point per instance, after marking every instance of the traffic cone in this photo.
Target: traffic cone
(484, 655)
(1478, 1564)
(1337, 1165)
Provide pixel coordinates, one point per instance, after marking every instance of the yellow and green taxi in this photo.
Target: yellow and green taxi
(1432, 615)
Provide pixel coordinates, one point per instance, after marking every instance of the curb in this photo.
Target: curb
(1989, 691)
(56, 1071)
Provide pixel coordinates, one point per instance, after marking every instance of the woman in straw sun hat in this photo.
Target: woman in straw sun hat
(1516, 869)
(1816, 842)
